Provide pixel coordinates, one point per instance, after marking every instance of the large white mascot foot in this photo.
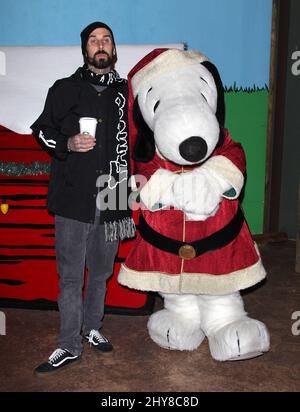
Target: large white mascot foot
(231, 334)
(177, 326)
(243, 339)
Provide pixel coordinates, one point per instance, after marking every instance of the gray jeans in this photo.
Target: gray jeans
(78, 245)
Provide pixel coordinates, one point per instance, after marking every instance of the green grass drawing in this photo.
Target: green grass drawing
(246, 119)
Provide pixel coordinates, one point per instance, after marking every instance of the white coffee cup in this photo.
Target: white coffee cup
(88, 125)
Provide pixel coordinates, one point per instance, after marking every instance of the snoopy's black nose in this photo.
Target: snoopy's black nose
(193, 149)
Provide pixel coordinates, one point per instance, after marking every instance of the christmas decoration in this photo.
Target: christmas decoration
(24, 169)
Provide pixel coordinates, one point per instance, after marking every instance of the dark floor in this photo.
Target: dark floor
(137, 364)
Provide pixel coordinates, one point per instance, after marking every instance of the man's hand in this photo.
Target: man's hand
(81, 143)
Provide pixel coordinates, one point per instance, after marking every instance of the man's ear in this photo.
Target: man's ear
(144, 149)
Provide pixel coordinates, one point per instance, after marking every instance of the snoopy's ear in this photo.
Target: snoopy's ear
(220, 90)
(144, 149)
(220, 114)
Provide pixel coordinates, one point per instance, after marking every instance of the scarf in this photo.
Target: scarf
(105, 79)
(119, 224)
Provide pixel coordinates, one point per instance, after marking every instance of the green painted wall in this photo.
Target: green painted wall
(246, 119)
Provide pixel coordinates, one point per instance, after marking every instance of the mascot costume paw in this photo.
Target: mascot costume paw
(193, 246)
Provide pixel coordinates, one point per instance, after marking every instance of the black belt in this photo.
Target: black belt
(190, 250)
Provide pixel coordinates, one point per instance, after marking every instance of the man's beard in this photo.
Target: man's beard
(102, 63)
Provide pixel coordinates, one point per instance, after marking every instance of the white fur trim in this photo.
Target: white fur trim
(192, 282)
(172, 59)
(154, 189)
(223, 168)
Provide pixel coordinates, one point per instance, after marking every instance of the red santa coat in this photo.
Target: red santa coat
(231, 268)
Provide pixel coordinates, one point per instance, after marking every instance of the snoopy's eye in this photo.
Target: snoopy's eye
(156, 106)
(203, 80)
(149, 90)
(204, 97)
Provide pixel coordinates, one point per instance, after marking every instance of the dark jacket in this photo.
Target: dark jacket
(72, 188)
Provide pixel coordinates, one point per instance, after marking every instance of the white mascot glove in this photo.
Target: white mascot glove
(157, 192)
(199, 192)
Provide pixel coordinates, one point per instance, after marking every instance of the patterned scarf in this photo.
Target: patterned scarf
(119, 224)
(105, 79)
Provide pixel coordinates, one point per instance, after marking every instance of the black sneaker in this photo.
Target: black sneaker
(57, 360)
(98, 341)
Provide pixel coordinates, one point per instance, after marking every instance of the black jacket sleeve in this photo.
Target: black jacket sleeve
(47, 127)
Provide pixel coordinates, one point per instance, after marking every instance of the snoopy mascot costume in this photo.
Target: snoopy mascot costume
(193, 245)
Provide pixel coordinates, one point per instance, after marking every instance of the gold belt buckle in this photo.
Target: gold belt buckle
(187, 252)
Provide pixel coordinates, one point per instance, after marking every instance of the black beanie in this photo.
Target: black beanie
(88, 30)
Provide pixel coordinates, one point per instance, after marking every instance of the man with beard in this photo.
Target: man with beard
(86, 235)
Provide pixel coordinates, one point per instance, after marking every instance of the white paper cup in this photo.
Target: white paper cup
(88, 125)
